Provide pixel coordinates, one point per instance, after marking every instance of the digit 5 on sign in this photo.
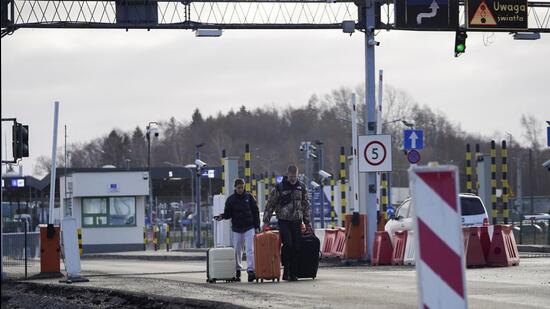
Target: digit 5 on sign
(375, 153)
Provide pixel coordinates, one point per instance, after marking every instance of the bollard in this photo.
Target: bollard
(155, 239)
(254, 186)
(383, 201)
(144, 238)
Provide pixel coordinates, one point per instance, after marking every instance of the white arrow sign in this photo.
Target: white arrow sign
(434, 6)
(413, 138)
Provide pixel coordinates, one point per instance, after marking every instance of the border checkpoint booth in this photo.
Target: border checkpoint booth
(109, 207)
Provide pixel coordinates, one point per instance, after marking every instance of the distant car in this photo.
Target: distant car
(473, 214)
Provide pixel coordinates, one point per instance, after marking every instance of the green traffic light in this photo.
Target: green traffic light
(460, 48)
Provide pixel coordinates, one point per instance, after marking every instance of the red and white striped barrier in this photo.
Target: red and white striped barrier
(439, 245)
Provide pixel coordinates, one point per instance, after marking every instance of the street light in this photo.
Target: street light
(198, 167)
(150, 129)
(404, 122)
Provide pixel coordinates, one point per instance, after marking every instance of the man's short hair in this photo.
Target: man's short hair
(292, 169)
(238, 181)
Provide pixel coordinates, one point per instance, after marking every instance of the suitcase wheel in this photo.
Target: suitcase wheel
(211, 280)
(262, 281)
(277, 279)
(272, 280)
(257, 280)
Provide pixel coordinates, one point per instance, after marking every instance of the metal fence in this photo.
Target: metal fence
(21, 254)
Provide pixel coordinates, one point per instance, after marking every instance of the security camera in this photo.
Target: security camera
(145, 175)
(324, 174)
(154, 131)
(373, 42)
(546, 164)
(200, 163)
(315, 185)
(302, 146)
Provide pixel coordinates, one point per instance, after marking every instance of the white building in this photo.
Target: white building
(109, 206)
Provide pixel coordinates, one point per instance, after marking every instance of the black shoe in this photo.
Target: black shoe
(286, 276)
(251, 276)
(238, 274)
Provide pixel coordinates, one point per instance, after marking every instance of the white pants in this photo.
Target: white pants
(245, 240)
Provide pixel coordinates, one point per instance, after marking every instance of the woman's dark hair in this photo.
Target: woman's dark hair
(238, 181)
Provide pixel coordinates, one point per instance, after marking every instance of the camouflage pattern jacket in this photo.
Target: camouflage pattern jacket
(290, 202)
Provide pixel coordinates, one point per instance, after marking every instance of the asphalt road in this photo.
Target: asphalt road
(524, 286)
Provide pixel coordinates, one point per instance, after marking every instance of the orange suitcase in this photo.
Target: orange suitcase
(267, 256)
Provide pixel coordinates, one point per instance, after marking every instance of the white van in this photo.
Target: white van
(473, 214)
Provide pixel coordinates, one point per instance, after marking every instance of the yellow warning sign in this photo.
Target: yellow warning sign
(483, 16)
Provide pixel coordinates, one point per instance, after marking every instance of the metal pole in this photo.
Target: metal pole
(321, 167)
(148, 134)
(531, 176)
(370, 120)
(54, 166)
(25, 248)
(198, 197)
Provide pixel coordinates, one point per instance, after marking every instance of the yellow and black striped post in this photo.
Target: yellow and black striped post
(254, 186)
(266, 187)
(247, 167)
(475, 181)
(155, 235)
(343, 187)
(223, 171)
(468, 169)
(79, 236)
(168, 243)
(494, 181)
(504, 167)
(273, 180)
(144, 238)
(332, 211)
(384, 198)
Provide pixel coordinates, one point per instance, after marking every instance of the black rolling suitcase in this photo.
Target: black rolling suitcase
(308, 262)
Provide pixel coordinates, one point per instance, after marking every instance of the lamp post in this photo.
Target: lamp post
(150, 130)
(198, 168)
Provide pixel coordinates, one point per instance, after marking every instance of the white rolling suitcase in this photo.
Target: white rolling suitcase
(221, 265)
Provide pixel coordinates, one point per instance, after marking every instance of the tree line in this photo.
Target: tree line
(274, 135)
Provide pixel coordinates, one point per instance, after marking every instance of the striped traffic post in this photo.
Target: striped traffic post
(343, 187)
(223, 171)
(168, 242)
(332, 212)
(79, 236)
(144, 238)
(254, 186)
(494, 182)
(155, 237)
(468, 169)
(504, 167)
(475, 183)
(439, 248)
(247, 173)
(384, 197)
(273, 180)
(266, 187)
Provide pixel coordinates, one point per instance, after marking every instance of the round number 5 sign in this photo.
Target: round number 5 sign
(375, 153)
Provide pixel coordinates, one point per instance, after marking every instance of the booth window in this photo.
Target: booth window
(109, 212)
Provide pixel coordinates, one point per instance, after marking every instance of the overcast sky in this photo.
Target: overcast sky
(108, 79)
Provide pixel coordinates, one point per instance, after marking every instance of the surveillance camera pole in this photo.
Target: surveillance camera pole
(198, 197)
(367, 181)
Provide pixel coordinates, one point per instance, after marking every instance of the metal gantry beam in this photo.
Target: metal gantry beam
(209, 14)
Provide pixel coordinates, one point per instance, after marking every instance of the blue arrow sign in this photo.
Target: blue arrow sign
(414, 139)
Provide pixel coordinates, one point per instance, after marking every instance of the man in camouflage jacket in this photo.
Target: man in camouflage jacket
(289, 200)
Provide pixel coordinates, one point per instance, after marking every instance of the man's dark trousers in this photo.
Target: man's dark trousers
(291, 235)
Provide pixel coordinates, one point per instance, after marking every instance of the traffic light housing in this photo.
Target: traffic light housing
(460, 42)
(20, 145)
